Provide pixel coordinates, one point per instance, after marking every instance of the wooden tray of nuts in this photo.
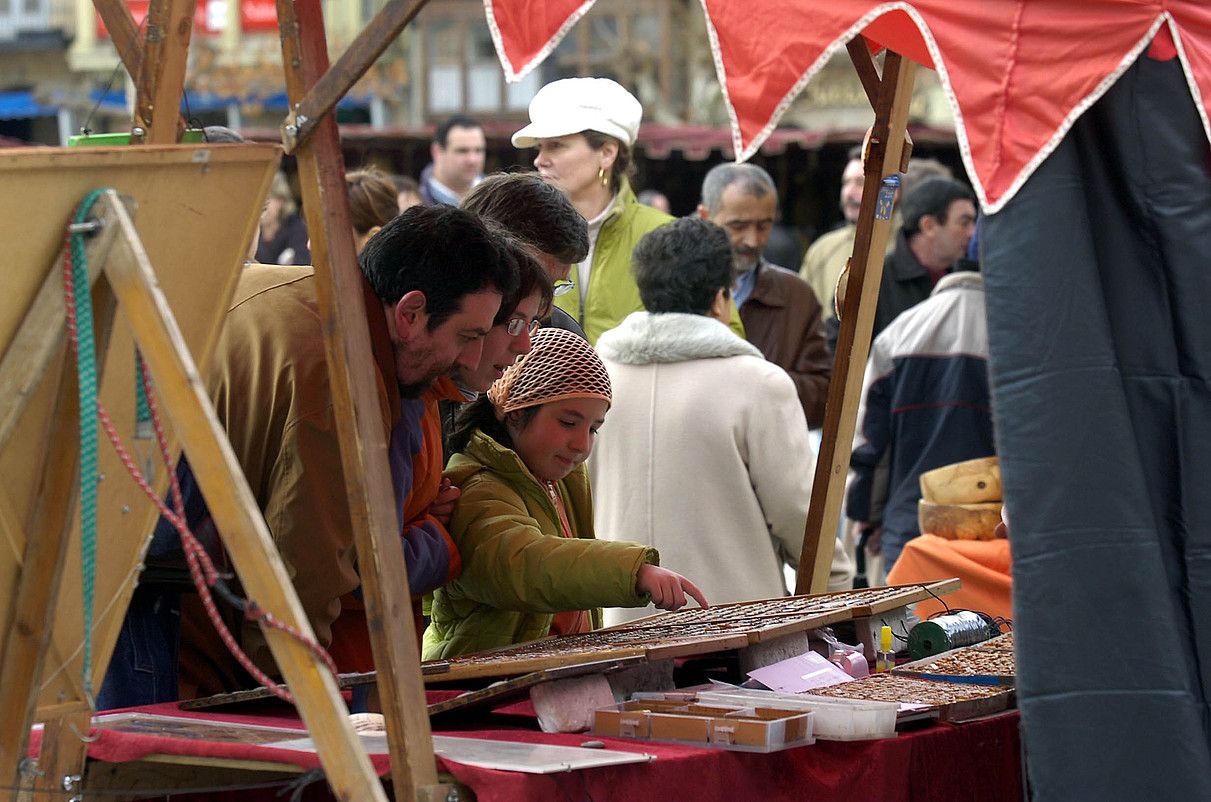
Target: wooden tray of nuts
(988, 663)
(954, 701)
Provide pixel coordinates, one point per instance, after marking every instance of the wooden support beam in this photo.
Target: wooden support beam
(348, 315)
(868, 73)
(47, 537)
(323, 96)
(123, 32)
(62, 757)
(235, 512)
(883, 159)
(161, 76)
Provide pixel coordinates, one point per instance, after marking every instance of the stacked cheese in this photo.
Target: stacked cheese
(961, 501)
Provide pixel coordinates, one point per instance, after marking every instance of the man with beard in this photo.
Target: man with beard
(440, 275)
(780, 312)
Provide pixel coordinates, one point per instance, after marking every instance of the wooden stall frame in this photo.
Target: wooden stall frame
(314, 89)
(126, 281)
(886, 155)
(355, 337)
(157, 62)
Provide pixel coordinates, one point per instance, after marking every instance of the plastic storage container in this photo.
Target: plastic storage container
(834, 719)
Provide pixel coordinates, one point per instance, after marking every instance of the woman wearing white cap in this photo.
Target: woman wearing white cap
(584, 129)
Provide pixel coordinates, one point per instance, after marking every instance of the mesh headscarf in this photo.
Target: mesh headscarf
(560, 365)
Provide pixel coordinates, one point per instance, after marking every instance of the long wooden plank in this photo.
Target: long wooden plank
(123, 33)
(41, 570)
(351, 368)
(857, 321)
(914, 594)
(498, 691)
(508, 668)
(235, 513)
(50, 527)
(161, 75)
(323, 96)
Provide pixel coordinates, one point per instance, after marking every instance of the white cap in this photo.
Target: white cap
(572, 105)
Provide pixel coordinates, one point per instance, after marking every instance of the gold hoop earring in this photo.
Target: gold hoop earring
(601, 176)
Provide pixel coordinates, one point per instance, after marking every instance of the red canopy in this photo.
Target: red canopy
(1017, 73)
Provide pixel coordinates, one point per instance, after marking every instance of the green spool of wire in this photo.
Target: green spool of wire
(946, 632)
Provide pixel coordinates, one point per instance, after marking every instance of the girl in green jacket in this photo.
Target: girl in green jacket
(524, 521)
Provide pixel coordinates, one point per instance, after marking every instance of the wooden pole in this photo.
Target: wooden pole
(235, 512)
(40, 343)
(883, 159)
(123, 32)
(46, 544)
(344, 309)
(161, 76)
(322, 98)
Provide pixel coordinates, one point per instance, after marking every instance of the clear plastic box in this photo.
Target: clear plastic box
(834, 720)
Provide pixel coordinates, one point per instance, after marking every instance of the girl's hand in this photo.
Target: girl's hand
(667, 588)
(443, 506)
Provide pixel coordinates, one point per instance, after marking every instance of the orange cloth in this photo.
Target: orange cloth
(350, 638)
(982, 565)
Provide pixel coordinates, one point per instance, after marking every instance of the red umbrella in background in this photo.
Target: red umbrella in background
(1017, 74)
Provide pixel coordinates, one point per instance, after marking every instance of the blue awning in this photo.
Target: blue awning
(21, 105)
(115, 101)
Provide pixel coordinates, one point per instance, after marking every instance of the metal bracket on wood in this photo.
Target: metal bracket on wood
(338, 79)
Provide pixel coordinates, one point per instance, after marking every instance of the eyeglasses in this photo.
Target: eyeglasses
(563, 287)
(517, 325)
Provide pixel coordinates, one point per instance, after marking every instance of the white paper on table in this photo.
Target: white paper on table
(800, 673)
(487, 753)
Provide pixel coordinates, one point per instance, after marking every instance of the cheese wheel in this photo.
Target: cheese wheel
(970, 482)
(959, 521)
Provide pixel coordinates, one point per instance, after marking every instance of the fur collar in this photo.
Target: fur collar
(644, 338)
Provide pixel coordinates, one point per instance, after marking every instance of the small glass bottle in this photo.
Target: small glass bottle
(885, 657)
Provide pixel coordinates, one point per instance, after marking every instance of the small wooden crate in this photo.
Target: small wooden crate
(748, 729)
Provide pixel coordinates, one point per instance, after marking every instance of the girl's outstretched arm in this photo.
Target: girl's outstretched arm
(667, 588)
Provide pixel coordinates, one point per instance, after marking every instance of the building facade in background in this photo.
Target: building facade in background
(59, 72)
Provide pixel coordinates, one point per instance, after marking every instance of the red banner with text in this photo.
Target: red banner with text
(210, 16)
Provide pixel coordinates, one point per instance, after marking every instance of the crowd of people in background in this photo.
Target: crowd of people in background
(590, 405)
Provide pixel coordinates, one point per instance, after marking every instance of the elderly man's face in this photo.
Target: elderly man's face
(747, 219)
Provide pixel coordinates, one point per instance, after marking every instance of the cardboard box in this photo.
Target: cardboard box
(750, 729)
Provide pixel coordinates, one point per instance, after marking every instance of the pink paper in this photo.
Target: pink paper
(799, 674)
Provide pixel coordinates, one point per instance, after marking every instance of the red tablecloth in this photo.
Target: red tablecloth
(977, 760)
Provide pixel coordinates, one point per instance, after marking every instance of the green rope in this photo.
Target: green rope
(143, 426)
(86, 376)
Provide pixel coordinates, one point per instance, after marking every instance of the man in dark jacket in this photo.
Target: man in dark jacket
(458, 151)
(780, 312)
(939, 217)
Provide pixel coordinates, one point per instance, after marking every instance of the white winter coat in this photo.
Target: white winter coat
(704, 455)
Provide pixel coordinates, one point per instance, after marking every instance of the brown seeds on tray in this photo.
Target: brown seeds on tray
(893, 688)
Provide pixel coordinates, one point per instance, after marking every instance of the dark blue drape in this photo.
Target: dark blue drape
(1098, 281)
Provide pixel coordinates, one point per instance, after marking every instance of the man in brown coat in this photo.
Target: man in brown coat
(780, 312)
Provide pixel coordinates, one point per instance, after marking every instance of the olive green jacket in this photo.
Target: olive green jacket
(613, 293)
(518, 570)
